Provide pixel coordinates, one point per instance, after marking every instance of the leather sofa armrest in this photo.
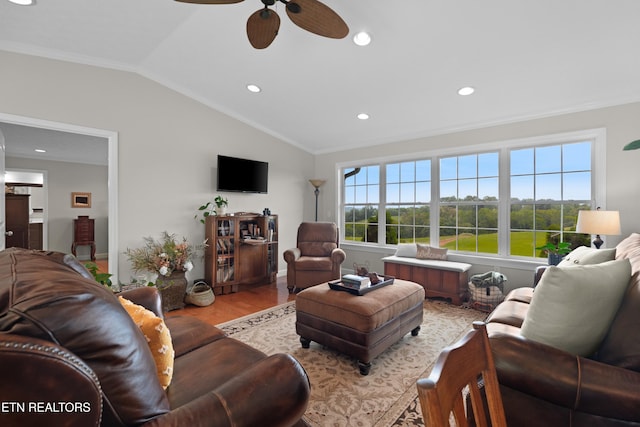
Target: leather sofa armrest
(564, 379)
(291, 255)
(338, 256)
(36, 373)
(146, 296)
(274, 392)
(538, 274)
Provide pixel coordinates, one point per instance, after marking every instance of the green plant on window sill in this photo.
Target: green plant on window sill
(562, 248)
(209, 209)
(102, 278)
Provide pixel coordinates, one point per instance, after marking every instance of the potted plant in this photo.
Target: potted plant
(208, 209)
(555, 253)
(102, 278)
(167, 260)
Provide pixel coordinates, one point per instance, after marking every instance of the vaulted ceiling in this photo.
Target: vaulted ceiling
(525, 60)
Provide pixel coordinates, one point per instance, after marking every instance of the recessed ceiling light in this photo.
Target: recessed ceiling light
(253, 88)
(363, 116)
(40, 150)
(467, 90)
(362, 38)
(23, 2)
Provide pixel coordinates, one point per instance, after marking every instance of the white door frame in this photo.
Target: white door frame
(112, 178)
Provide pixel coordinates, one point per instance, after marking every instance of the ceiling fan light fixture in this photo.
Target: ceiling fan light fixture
(253, 88)
(465, 91)
(362, 38)
(363, 116)
(23, 2)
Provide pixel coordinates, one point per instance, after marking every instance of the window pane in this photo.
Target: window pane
(393, 193)
(548, 187)
(488, 189)
(488, 242)
(467, 240)
(447, 216)
(522, 161)
(407, 172)
(522, 187)
(448, 190)
(521, 217)
(548, 217)
(488, 216)
(468, 189)
(407, 192)
(423, 192)
(393, 173)
(548, 159)
(448, 168)
(423, 170)
(522, 243)
(488, 164)
(373, 174)
(467, 166)
(467, 216)
(373, 194)
(577, 186)
(422, 234)
(422, 216)
(576, 157)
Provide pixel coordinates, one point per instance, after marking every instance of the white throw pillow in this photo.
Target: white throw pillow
(572, 308)
(408, 250)
(583, 255)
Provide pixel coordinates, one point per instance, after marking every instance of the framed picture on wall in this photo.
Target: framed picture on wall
(80, 200)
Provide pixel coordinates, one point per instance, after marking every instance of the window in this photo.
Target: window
(505, 198)
(548, 186)
(469, 202)
(361, 199)
(408, 196)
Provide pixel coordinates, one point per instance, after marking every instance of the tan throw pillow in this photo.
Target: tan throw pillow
(158, 337)
(572, 308)
(429, 252)
(583, 255)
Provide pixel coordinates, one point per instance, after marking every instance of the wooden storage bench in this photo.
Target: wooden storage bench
(446, 279)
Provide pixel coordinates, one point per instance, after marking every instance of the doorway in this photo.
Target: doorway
(110, 138)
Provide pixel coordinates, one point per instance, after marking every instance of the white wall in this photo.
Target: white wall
(167, 150)
(622, 172)
(62, 179)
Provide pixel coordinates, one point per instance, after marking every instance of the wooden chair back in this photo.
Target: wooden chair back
(459, 367)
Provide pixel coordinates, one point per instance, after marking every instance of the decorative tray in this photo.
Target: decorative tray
(339, 286)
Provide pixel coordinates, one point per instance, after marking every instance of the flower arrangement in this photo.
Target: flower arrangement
(163, 256)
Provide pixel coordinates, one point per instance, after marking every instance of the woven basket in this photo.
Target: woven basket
(200, 294)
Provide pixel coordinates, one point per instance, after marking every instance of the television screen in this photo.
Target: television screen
(242, 175)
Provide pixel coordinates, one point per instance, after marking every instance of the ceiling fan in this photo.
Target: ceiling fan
(310, 15)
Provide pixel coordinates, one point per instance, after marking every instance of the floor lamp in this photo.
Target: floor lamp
(317, 183)
(598, 222)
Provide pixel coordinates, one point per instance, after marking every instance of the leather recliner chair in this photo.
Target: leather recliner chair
(316, 257)
(71, 355)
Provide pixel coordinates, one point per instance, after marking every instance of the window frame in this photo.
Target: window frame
(598, 185)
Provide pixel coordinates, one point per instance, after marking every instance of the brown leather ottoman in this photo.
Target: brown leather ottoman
(359, 326)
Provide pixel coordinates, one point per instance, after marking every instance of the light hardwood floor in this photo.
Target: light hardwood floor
(249, 299)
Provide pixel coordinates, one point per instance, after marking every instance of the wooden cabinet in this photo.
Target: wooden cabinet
(84, 234)
(242, 249)
(17, 219)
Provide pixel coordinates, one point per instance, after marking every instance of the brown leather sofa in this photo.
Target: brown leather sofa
(544, 386)
(71, 355)
(316, 257)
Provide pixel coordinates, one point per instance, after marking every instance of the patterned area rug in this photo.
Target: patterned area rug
(340, 396)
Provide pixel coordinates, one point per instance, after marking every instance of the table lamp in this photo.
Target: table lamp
(598, 222)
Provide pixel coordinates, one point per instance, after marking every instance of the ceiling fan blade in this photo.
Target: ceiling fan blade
(210, 1)
(262, 27)
(317, 18)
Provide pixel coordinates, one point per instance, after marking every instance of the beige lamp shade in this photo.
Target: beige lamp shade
(598, 222)
(317, 183)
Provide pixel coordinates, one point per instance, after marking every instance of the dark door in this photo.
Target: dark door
(17, 219)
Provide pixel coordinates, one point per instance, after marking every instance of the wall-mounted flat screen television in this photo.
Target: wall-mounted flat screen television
(242, 175)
